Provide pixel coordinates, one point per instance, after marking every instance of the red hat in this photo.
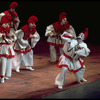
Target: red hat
(83, 35)
(32, 19)
(13, 5)
(5, 19)
(62, 15)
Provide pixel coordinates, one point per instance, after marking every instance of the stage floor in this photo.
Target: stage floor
(86, 91)
(40, 82)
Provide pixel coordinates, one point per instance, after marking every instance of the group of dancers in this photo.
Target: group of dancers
(72, 48)
(16, 45)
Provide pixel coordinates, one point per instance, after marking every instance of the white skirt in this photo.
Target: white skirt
(72, 65)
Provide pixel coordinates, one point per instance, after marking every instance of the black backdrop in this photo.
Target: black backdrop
(80, 14)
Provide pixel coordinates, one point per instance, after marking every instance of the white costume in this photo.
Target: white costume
(71, 60)
(55, 40)
(14, 22)
(6, 52)
(23, 49)
(13, 25)
(53, 32)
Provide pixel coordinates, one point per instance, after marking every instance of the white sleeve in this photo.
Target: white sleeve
(21, 42)
(66, 36)
(35, 39)
(1, 14)
(0, 35)
(17, 23)
(49, 30)
(84, 51)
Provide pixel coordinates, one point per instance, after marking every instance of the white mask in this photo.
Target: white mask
(63, 21)
(81, 36)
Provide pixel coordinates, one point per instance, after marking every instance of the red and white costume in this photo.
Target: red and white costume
(15, 19)
(6, 49)
(71, 58)
(54, 32)
(23, 46)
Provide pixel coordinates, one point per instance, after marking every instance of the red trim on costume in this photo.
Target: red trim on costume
(67, 56)
(57, 45)
(5, 43)
(66, 36)
(82, 63)
(7, 56)
(27, 31)
(1, 76)
(60, 29)
(4, 31)
(13, 15)
(7, 12)
(71, 70)
(10, 52)
(20, 51)
(23, 51)
(14, 45)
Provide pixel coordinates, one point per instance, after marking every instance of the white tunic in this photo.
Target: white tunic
(53, 39)
(6, 54)
(72, 59)
(6, 49)
(24, 49)
(12, 24)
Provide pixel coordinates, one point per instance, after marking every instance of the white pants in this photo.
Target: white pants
(16, 61)
(60, 79)
(24, 59)
(27, 59)
(80, 73)
(6, 66)
(53, 54)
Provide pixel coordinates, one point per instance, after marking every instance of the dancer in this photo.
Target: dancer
(6, 49)
(54, 31)
(71, 60)
(27, 38)
(14, 23)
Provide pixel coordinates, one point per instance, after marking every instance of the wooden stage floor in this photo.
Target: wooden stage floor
(40, 82)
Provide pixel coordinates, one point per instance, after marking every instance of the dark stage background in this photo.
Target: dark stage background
(80, 14)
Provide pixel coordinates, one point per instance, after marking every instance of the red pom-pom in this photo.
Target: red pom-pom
(13, 5)
(62, 15)
(32, 19)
